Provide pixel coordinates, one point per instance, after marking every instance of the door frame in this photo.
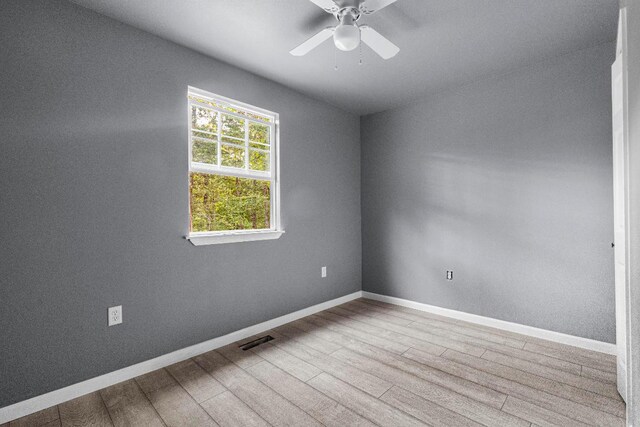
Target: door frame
(620, 201)
(622, 55)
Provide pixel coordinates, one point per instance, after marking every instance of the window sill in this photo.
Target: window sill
(200, 239)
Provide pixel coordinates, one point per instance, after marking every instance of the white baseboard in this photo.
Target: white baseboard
(35, 404)
(544, 334)
(38, 403)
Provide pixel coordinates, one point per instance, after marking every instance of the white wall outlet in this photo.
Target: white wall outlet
(115, 315)
(449, 274)
(323, 271)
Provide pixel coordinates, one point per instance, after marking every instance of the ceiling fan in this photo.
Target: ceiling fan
(347, 35)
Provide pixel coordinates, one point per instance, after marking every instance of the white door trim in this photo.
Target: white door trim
(620, 139)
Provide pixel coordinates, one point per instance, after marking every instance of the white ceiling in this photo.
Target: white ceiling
(443, 43)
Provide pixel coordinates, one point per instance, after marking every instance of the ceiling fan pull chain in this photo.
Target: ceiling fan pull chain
(360, 62)
(335, 59)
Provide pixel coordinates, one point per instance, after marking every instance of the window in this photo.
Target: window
(233, 171)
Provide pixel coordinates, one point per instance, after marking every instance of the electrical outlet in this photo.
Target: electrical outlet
(323, 271)
(449, 275)
(115, 315)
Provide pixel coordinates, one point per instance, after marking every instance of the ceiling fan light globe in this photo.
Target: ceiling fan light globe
(346, 37)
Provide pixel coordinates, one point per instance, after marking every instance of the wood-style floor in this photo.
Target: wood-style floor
(365, 363)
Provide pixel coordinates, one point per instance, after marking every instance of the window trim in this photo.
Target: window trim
(230, 236)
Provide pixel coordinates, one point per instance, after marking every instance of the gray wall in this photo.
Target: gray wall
(93, 201)
(633, 48)
(507, 182)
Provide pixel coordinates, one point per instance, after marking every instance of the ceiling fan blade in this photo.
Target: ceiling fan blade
(318, 19)
(369, 6)
(378, 43)
(328, 5)
(313, 42)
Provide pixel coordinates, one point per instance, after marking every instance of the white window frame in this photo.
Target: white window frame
(217, 237)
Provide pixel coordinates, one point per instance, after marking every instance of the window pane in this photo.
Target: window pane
(232, 156)
(221, 203)
(232, 126)
(258, 160)
(204, 151)
(258, 133)
(204, 120)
